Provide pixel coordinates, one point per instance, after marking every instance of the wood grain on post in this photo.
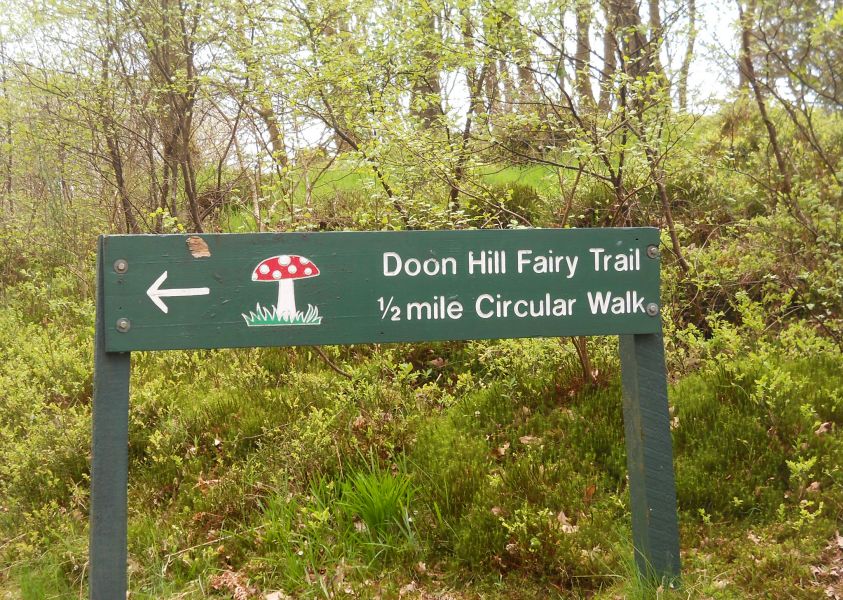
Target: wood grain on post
(652, 489)
(109, 462)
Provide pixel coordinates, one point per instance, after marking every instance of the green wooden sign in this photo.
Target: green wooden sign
(212, 291)
(167, 292)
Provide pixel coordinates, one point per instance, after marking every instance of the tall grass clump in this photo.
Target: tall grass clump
(379, 500)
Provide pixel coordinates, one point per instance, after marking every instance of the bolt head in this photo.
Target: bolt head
(121, 265)
(653, 251)
(123, 324)
(652, 309)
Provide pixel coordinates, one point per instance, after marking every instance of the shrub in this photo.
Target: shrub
(507, 205)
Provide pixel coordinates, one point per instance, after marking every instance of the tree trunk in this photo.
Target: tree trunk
(748, 69)
(581, 346)
(109, 127)
(276, 136)
(475, 79)
(609, 62)
(426, 92)
(656, 39)
(169, 185)
(582, 57)
(491, 85)
(7, 175)
(154, 186)
(786, 186)
(689, 55)
(637, 51)
(189, 176)
(667, 212)
(117, 167)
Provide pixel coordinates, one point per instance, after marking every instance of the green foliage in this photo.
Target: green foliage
(506, 205)
(750, 422)
(487, 466)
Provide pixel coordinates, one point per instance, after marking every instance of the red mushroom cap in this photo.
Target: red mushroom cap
(285, 266)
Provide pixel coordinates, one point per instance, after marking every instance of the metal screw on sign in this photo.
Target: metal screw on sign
(123, 325)
(652, 309)
(121, 265)
(653, 251)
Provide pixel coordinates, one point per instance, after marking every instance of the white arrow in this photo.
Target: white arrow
(155, 294)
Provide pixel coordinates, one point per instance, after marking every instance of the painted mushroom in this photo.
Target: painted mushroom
(284, 270)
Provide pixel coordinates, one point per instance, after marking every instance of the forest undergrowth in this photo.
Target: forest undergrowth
(492, 469)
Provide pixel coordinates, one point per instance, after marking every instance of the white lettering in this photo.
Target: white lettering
(412, 267)
(394, 265)
(480, 312)
(418, 307)
(478, 262)
(572, 265)
(597, 252)
(598, 302)
(387, 271)
(523, 259)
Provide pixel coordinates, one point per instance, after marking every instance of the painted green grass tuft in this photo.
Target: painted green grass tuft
(262, 317)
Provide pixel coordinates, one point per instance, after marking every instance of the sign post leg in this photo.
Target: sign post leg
(109, 463)
(652, 489)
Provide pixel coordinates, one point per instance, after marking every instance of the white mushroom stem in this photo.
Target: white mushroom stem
(286, 299)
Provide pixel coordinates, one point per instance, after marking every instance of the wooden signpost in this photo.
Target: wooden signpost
(167, 292)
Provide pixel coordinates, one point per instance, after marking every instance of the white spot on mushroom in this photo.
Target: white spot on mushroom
(264, 269)
(308, 271)
(283, 260)
(276, 274)
(303, 260)
(292, 270)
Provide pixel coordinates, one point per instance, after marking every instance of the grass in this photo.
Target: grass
(542, 178)
(379, 499)
(262, 317)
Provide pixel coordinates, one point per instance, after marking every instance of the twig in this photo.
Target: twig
(330, 363)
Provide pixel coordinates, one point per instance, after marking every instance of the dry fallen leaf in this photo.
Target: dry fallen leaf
(232, 582)
(824, 428)
(565, 523)
(588, 494)
(530, 439)
(407, 589)
(501, 451)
